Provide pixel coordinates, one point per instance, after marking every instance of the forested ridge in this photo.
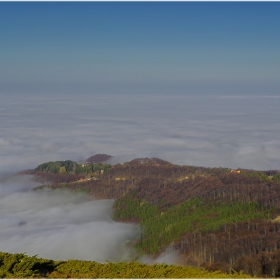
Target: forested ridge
(213, 217)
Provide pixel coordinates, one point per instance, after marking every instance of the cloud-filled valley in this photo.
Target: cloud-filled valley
(59, 225)
(210, 131)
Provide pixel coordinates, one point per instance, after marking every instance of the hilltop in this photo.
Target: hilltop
(214, 218)
(98, 158)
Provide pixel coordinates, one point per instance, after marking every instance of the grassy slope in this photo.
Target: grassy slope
(23, 266)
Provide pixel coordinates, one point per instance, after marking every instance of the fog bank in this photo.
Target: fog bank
(59, 225)
(202, 130)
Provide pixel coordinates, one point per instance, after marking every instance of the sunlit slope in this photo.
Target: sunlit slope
(23, 266)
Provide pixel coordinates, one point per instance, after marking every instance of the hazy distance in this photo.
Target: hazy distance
(202, 130)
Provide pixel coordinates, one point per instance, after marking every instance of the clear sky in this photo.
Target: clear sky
(140, 47)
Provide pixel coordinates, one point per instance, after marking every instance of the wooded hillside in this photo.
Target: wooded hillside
(214, 218)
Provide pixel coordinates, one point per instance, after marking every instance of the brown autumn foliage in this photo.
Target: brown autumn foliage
(156, 181)
(252, 246)
(227, 247)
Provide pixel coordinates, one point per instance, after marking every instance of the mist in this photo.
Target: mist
(59, 225)
(240, 131)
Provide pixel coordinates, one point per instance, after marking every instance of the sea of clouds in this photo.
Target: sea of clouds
(209, 130)
(213, 131)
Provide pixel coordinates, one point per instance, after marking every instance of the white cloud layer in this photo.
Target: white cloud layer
(214, 131)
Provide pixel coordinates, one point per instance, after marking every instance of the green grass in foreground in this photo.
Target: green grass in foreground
(23, 266)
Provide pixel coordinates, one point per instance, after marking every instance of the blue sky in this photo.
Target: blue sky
(140, 47)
